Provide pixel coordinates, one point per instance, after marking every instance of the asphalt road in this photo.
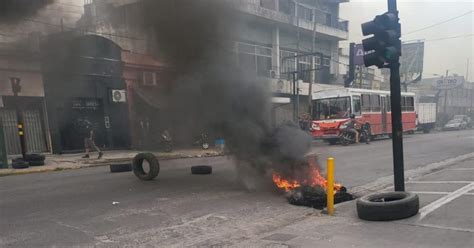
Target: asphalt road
(92, 207)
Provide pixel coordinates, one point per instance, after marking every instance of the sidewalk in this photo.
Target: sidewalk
(74, 161)
(446, 219)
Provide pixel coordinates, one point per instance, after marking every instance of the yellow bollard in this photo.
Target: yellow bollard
(330, 186)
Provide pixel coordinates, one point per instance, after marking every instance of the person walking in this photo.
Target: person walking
(89, 143)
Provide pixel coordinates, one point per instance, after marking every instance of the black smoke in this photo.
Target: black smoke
(210, 90)
(14, 10)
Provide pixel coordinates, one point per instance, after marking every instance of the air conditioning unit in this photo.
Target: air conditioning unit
(272, 74)
(119, 96)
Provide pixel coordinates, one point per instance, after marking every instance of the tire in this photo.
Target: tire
(344, 141)
(18, 160)
(34, 157)
(137, 166)
(398, 205)
(20, 164)
(426, 130)
(36, 163)
(369, 136)
(201, 170)
(332, 141)
(115, 168)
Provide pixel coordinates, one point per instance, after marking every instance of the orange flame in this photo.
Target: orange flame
(283, 183)
(313, 179)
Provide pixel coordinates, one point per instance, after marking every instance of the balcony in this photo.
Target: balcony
(334, 30)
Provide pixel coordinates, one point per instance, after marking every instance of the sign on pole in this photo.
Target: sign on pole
(358, 54)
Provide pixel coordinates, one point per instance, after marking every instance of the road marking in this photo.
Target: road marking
(441, 182)
(439, 227)
(443, 200)
(436, 193)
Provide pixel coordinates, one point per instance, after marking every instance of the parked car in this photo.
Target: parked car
(455, 124)
(465, 118)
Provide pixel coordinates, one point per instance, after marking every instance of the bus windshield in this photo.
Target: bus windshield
(331, 108)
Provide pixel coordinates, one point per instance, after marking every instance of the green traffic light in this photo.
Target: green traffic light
(391, 54)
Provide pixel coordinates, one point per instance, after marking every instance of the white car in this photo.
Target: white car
(455, 124)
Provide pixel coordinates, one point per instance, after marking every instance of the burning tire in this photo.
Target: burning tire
(115, 168)
(387, 206)
(139, 171)
(201, 169)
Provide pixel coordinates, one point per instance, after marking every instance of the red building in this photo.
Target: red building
(146, 80)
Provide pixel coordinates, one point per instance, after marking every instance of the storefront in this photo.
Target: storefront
(84, 89)
(23, 67)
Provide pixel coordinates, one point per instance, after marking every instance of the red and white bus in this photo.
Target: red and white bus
(333, 107)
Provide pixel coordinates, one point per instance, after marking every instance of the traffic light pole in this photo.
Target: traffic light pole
(397, 127)
(16, 88)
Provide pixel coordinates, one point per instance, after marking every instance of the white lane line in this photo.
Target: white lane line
(436, 193)
(440, 182)
(443, 200)
(439, 227)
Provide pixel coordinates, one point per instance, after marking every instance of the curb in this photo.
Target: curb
(105, 162)
(385, 182)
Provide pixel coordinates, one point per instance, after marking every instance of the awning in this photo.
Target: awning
(151, 97)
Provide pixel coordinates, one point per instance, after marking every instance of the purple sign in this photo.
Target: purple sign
(358, 54)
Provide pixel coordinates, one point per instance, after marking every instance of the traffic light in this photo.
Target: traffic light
(16, 87)
(384, 47)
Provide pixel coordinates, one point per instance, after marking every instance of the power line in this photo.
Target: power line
(441, 38)
(452, 37)
(91, 32)
(439, 23)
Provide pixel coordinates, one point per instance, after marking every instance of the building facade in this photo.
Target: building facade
(454, 99)
(24, 67)
(283, 41)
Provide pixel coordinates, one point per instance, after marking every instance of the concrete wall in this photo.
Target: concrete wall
(27, 69)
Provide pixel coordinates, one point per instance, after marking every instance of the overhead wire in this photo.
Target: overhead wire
(439, 23)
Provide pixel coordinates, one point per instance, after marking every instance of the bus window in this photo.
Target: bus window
(389, 107)
(365, 103)
(409, 104)
(331, 108)
(356, 105)
(375, 103)
(403, 104)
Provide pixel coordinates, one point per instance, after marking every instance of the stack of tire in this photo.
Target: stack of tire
(29, 160)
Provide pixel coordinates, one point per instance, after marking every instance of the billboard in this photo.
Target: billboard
(411, 61)
(448, 83)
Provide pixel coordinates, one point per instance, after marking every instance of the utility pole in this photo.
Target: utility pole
(297, 61)
(350, 76)
(467, 71)
(445, 92)
(312, 77)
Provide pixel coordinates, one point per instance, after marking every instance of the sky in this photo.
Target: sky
(440, 55)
